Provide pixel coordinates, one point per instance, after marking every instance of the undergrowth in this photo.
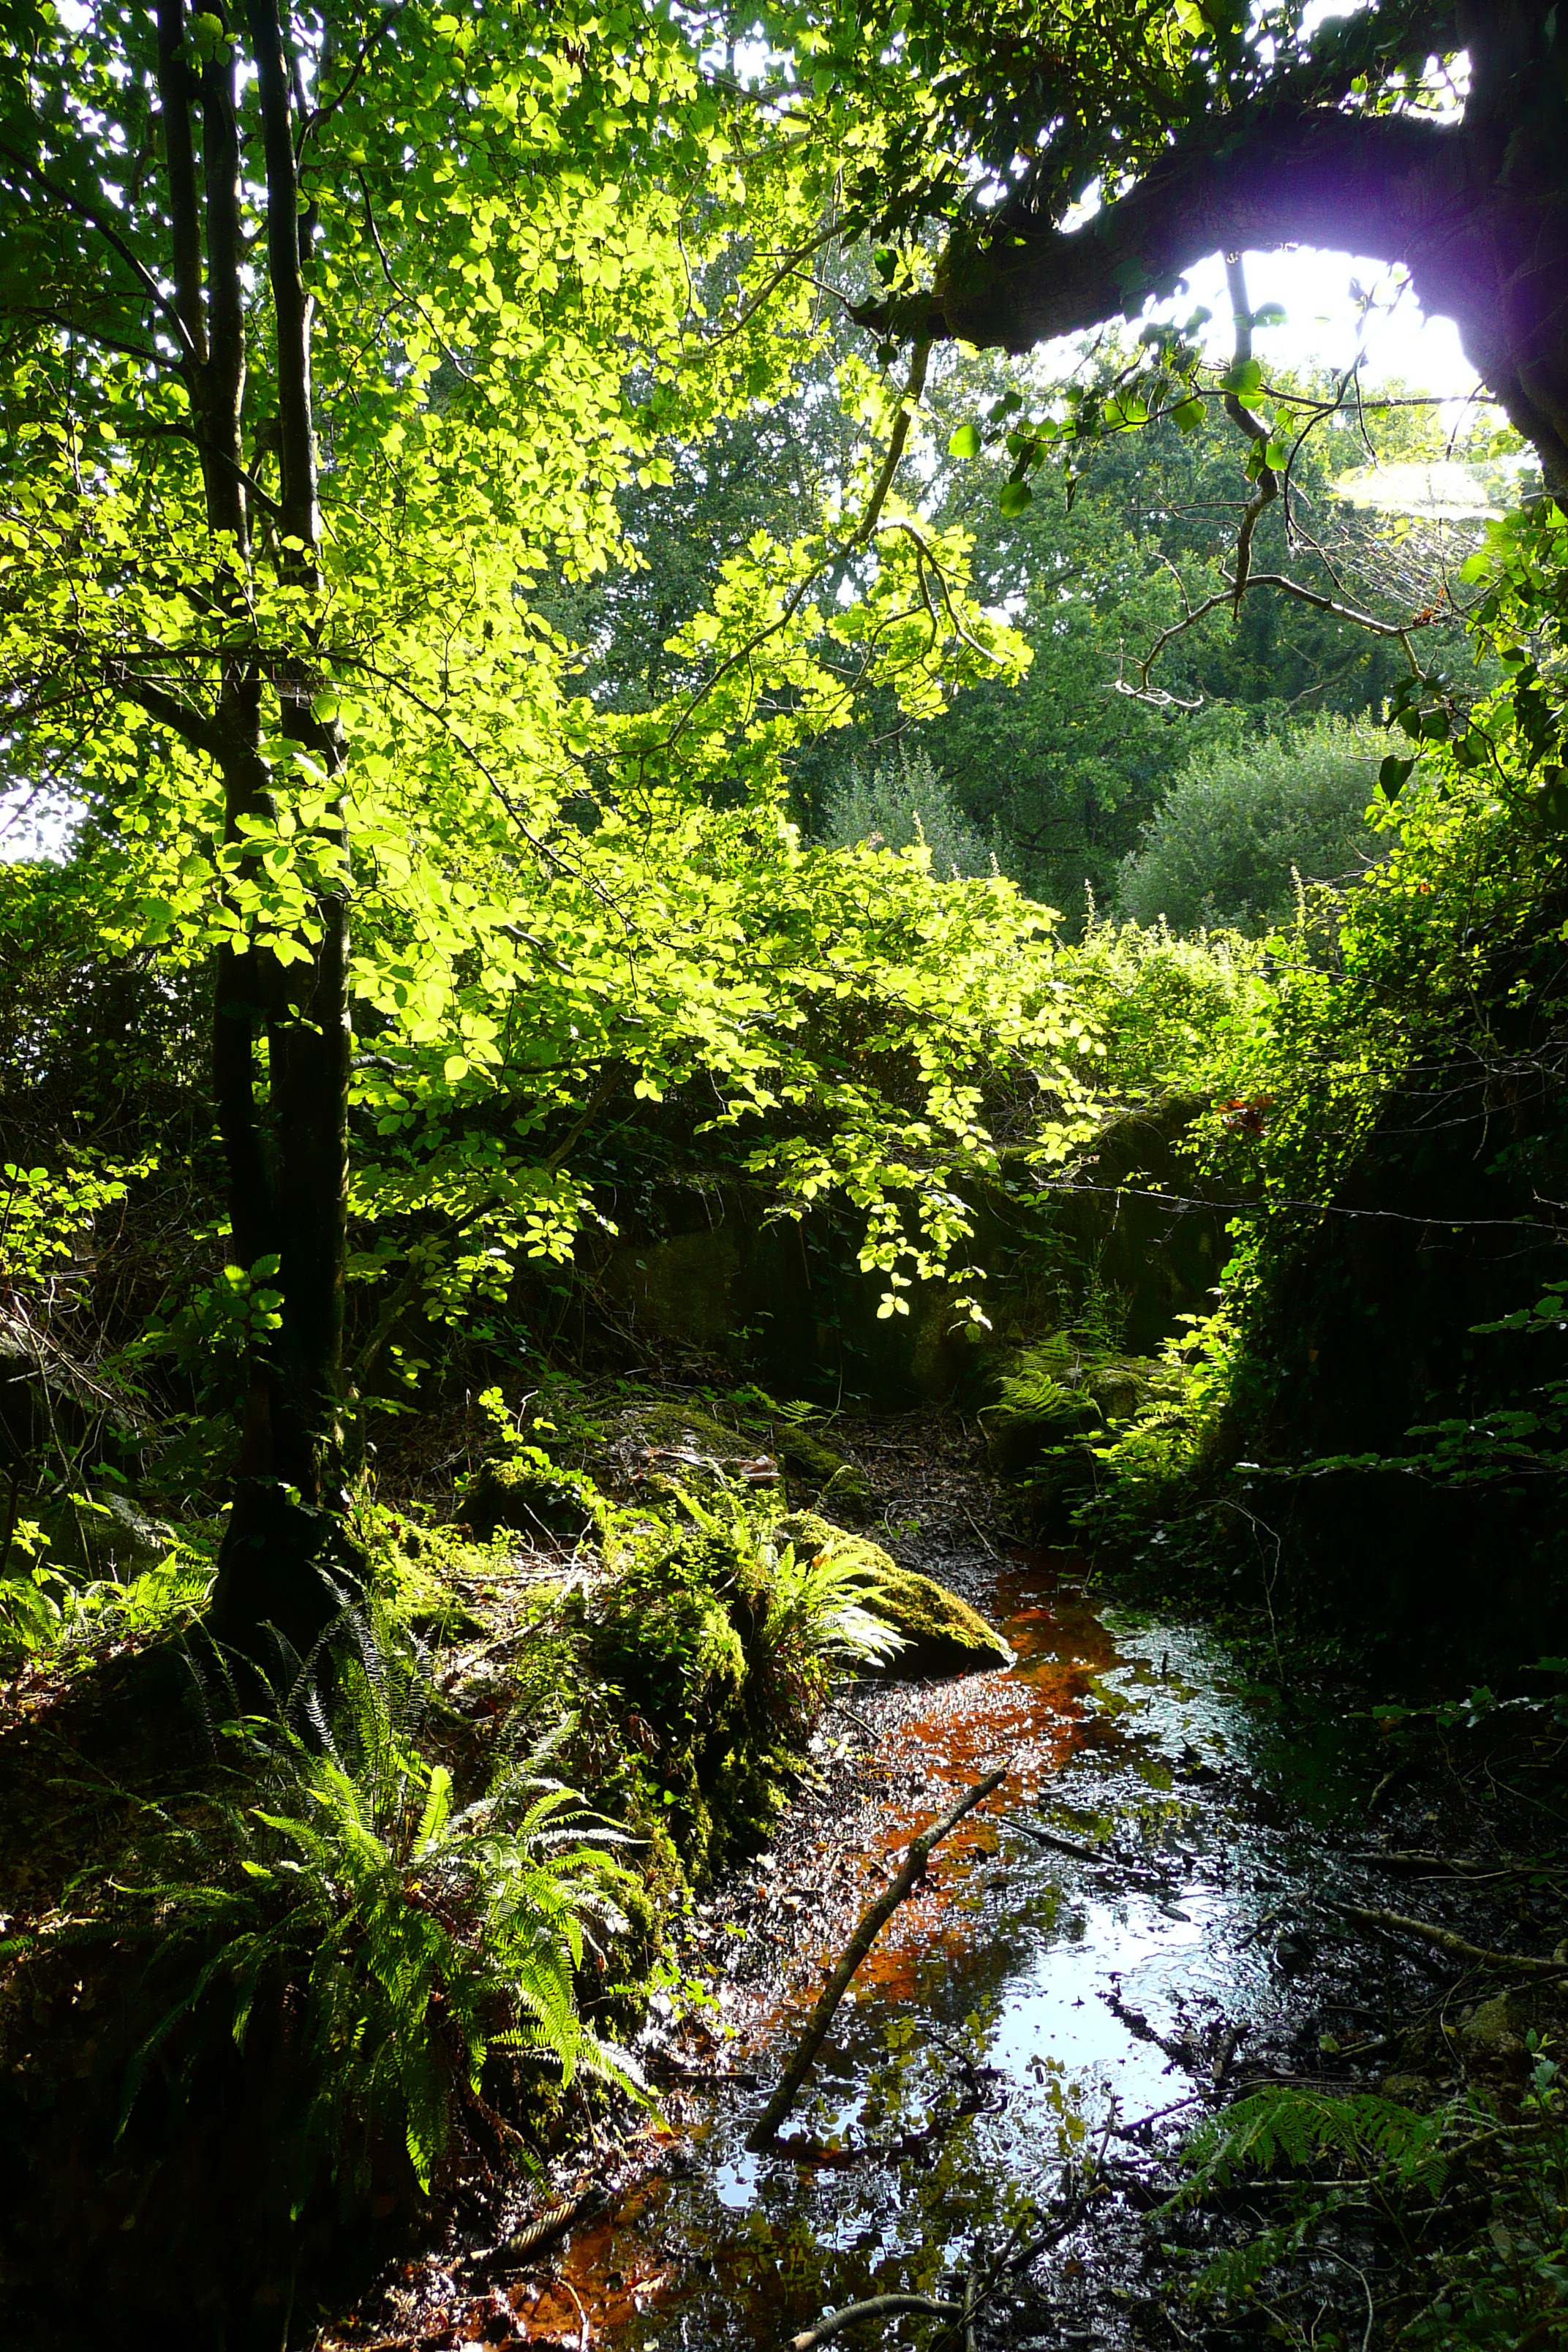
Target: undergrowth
(422, 1936)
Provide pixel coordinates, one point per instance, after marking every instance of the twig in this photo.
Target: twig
(1085, 1853)
(872, 1921)
(584, 2332)
(837, 1706)
(879, 2306)
(980, 1532)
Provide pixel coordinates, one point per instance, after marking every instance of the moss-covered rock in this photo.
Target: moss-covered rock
(105, 1535)
(528, 1495)
(815, 1472)
(420, 1599)
(942, 1635)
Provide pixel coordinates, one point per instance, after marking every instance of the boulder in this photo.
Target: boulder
(105, 1535)
(942, 1635)
(1494, 2030)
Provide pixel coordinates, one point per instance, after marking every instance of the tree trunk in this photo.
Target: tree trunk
(286, 1559)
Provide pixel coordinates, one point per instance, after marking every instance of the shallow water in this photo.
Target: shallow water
(1059, 1997)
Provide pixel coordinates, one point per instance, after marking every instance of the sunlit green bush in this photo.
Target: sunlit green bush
(1220, 851)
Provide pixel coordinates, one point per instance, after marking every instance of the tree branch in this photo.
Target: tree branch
(1231, 594)
(906, 406)
(1267, 489)
(1384, 184)
(291, 301)
(169, 711)
(83, 211)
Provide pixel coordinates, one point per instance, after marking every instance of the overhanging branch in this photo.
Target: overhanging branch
(1383, 184)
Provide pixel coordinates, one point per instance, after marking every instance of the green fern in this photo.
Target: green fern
(823, 1603)
(1289, 2128)
(1282, 2129)
(49, 1617)
(419, 1935)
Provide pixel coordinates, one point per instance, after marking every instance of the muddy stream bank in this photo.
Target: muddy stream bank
(1028, 2008)
(1135, 1928)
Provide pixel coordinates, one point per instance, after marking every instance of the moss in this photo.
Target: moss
(816, 1473)
(421, 1601)
(942, 1635)
(664, 1635)
(417, 1569)
(528, 1495)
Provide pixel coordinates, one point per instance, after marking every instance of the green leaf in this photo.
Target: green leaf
(1189, 414)
(1014, 498)
(965, 442)
(1272, 314)
(1245, 377)
(1393, 774)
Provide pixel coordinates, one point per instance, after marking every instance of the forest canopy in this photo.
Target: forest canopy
(334, 345)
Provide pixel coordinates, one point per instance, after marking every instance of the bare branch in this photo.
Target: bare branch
(82, 210)
(1256, 432)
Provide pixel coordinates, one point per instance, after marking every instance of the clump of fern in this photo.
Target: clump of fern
(52, 1617)
(821, 1615)
(414, 1935)
(1384, 2155)
(824, 1605)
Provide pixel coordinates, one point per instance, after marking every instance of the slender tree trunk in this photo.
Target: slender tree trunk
(281, 1039)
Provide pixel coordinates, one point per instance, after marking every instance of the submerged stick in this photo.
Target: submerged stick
(1082, 1853)
(872, 1921)
(1395, 1923)
(880, 2306)
(542, 2231)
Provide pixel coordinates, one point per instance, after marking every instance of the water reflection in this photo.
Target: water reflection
(1023, 2003)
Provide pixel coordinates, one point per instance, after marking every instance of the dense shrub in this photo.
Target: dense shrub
(1220, 851)
(903, 802)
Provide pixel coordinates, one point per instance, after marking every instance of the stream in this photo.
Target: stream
(1028, 2007)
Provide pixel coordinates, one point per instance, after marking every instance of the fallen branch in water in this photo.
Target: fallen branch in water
(1395, 1923)
(543, 2231)
(872, 1921)
(1444, 1865)
(880, 2306)
(1080, 1853)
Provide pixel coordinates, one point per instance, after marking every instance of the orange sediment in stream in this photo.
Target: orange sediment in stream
(951, 1734)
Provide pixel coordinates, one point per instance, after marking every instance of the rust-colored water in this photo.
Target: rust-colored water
(1011, 1961)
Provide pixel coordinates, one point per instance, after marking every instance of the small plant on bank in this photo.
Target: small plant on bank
(414, 1935)
(53, 1619)
(823, 1614)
